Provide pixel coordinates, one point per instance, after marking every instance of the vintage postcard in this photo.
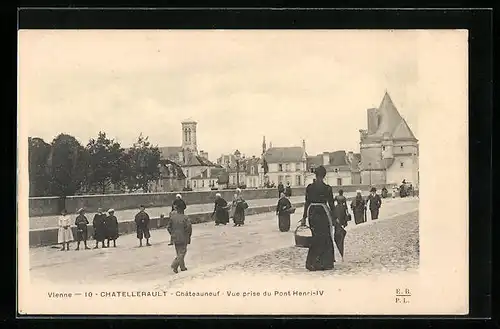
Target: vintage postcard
(272, 172)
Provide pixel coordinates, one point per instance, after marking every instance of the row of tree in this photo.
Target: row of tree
(65, 167)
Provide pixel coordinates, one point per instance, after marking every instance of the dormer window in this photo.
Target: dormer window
(401, 148)
(383, 148)
(402, 164)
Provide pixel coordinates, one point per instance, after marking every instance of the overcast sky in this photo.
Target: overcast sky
(238, 85)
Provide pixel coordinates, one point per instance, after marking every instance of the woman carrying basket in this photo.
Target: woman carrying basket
(319, 208)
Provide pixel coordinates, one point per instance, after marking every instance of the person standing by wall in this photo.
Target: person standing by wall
(288, 190)
(81, 223)
(99, 224)
(142, 226)
(375, 203)
(111, 227)
(220, 210)
(180, 230)
(239, 210)
(64, 233)
(179, 203)
(283, 212)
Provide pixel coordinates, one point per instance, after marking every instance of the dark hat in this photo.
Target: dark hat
(142, 206)
(373, 189)
(320, 172)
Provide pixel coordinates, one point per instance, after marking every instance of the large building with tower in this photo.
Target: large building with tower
(389, 149)
(194, 163)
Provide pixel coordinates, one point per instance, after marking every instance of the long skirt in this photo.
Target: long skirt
(374, 213)
(221, 217)
(239, 217)
(284, 222)
(64, 235)
(100, 233)
(321, 254)
(359, 216)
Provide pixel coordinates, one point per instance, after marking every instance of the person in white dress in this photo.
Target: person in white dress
(64, 234)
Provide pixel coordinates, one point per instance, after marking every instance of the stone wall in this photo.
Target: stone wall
(53, 205)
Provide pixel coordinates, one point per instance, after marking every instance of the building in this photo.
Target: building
(172, 178)
(283, 164)
(207, 179)
(389, 149)
(192, 162)
(339, 168)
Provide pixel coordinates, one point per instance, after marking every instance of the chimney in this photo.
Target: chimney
(326, 158)
(372, 120)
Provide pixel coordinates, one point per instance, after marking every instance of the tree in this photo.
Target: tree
(143, 165)
(105, 162)
(68, 165)
(39, 176)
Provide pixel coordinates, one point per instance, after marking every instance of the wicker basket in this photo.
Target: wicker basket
(301, 239)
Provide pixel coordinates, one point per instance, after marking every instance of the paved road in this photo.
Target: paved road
(126, 215)
(213, 248)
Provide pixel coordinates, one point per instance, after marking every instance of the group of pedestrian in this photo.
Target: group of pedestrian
(282, 189)
(223, 211)
(105, 228)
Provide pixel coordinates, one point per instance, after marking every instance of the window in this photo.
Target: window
(280, 167)
(202, 183)
(299, 180)
(339, 181)
(194, 183)
(312, 169)
(298, 166)
(383, 148)
(402, 148)
(402, 164)
(287, 167)
(336, 170)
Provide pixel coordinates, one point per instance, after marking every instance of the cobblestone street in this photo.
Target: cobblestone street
(390, 243)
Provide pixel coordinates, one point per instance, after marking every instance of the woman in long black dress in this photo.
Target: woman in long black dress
(111, 227)
(220, 210)
(283, 212)
(319, 208)
(239, 209)
(341, 208)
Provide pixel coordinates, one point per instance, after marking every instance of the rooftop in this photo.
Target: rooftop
(284, 154)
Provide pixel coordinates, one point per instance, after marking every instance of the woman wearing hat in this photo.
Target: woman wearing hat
(220, 210)
(81, 223)
(179, 203)
(319, 209)
(358, 207)
(111, 227)
(64, 233)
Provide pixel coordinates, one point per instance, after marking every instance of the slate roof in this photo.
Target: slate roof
(214, 173)
(168, 166)
(170, 152)
(337, 160)
(284, 154)
(391, 122)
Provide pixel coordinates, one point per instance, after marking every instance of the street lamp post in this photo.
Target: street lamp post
(370, 170)
(237, 159)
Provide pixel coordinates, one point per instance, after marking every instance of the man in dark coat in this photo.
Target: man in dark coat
(179, 203)
(180, 230)
(142, 225)
(283, 212)
(375, 203)
(99, 224)
(288, 190)
(281, 189)
(111, 227)
(81, 223)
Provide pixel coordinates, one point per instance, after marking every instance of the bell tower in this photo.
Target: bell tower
(189, 136)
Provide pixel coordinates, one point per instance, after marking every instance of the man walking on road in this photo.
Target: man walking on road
(142, 225)
(375, 203)
(180, 230)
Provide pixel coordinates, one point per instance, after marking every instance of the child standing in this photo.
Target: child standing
(64, 234)
(81, 223)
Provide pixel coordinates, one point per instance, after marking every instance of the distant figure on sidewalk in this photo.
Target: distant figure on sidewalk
(220, 210)
(111, 227)
(341, 208)
(288, 190)
(239, 210)
(233, 206)
(64, 233)
(283, 212)
(358, 207)
(281, 188)
(142, 225)
(179, 203)
(180, 230)
(375, 203)
(81, 223)
(99, 224)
